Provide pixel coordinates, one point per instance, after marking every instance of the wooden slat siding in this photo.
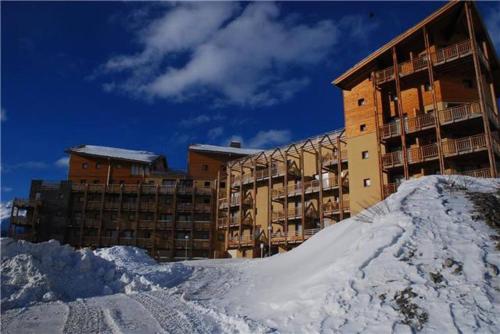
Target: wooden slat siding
(101, 212)
(137, 210)
(228, 195)
(212, 240)
(479, 84)
(120, 216)
(254, 203)
(339, 178)
(430, 72)
(193, 210)
(269, 204)
(377, 136)
(84, 213)
(319, 168)
(285, 183)
(492, 90)
(155, 222)
(174, 220)
(400, 110)
(385, 48)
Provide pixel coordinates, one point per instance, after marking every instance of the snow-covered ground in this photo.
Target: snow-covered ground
(420, 260)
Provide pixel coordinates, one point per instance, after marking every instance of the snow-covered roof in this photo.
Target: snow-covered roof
(116, 153)
(223, 149)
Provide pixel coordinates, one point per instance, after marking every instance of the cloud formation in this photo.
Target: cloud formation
(3, 115)
(263, 139)
(249, 55)
(62, 162)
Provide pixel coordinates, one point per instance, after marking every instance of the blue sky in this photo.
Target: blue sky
(158, 76)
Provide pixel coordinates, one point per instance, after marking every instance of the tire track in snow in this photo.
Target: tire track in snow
(85, 319)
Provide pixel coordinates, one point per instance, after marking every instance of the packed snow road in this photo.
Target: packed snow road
(423, 260)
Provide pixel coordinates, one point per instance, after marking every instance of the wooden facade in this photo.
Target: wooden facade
(429, 99)
(279, 198)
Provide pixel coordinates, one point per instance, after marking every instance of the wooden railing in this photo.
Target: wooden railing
(222, 222)
(413, 65)
(482, 172)
(201, 244)
(390, 188)
(310, 232)
(464, 145)
(384, 75)
(422, 153)
(452, 52)
(459, 113)
(392, 159)
(309, 186)
(332, 158)
(419, 122)
(331, 207)
(202, 207)
(244, 240)
(391, 129)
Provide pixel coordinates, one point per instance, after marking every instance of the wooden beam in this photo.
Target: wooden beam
(400, 112)
(339, 178)
(155, 221)
(319, 169)
(101, 212)
(302, 193)
(84, 213)
(377, 135)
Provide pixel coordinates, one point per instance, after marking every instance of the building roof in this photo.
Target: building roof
(223, 149)
(341, 80)
(115, 153)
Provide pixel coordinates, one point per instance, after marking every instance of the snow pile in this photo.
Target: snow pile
(417, 261)
(48, 271)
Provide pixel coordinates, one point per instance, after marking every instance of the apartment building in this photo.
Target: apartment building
(424, 103)
(170, 217)
(274, 200)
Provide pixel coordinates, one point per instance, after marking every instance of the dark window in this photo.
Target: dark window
(361, 102)
(468, 83)
(83, 181)
(364, 155)
(427, 87)
(85, 165)
(96, 181)
(367, 183)
(204, 168)
(207, 184)
(362, 127)
(122, 182)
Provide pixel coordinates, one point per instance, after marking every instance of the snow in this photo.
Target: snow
(417, 261)
(224, 149)
(118, 153)
(5, 208)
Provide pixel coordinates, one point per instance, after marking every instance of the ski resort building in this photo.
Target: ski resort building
(424, 103)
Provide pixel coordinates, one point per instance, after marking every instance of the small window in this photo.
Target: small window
(427, 87)
(367, 183)
(83, 181)
(223, 184)
(97, 165)
(468, 83)
(361, 102)
(362, 127)
(85, 165)
(122, 182)
(204, 168)
(96, 181)
(364, 155)
(207, 184)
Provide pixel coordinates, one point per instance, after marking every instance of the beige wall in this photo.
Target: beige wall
(360, 169)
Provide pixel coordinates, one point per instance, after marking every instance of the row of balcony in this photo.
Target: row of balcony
(144, 224)
(145, 206)
(451, 147)
(263, 174)
(426, 121)
(142, 188)
(232, 221)
(308, 187)
(438, 57)
(197, 244)
(276, 238)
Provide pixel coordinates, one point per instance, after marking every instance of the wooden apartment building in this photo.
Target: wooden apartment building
(120, 197)
(278, 198)
(424, 103)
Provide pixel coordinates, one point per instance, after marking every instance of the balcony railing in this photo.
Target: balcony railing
(222, 222)
(310, 232)
(452, 52)
(391, 129)
(419, 122)
(464, 145)
(332, 158)
(413, 65)
(459, 113)
(244, 241)
(422, 153)
(390, 188)
(331, 207)
(392, 159)
(482, 172)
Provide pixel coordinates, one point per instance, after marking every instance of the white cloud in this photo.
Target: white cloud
(492, 21)
(200, 119)
(62, 162)
(215, 133)
(263, 139)
(245, 56)
(3, 115)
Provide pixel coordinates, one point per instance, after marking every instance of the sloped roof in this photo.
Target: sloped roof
(115, 153)
(223, 149)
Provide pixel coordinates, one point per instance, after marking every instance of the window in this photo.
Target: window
(361, 102)
(362, 127)
(96, 181)
(85, 165)
(427, 87)
(204, 168)
(207, 184)
(83, 181)
(364, 155)
(468, 83)
(97, 165)
(122, 182)
(223, 184)
(367, 183)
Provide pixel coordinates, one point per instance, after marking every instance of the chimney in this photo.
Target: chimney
(235, 144)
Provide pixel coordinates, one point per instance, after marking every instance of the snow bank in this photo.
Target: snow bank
(49, 271)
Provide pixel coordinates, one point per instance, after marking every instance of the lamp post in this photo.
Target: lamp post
(186, 237)
(261, 250)
(270, 228)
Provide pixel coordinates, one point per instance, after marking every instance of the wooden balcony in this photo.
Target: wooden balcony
(309, 187)
(184, 225)
(20, 220)
(332, 158)
(453, 147)
(222, 222)
(201, 244)
(129, 206)
(166, 189)
(331, 208)
(112, 205)
(145, 242)
(390, 188)
(184, 207)
(392, 159)
(240, 241)
(483, 172)
(422, 153)
(202, 207)
(93, 205)
(392, 129)
(310, 232)
(452, 52)
(413, 65)
(92, 223)
(419, 122)
(384, 75)
(145, 224)
(90, 241)
(459, 113)
(148, 206)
